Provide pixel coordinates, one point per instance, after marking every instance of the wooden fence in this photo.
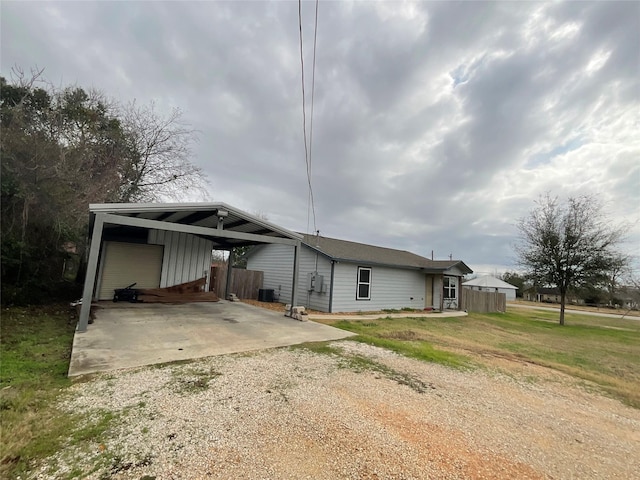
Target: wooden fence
(244, 283)
(483, 302)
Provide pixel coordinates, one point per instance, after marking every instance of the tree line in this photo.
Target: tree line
(64, 148)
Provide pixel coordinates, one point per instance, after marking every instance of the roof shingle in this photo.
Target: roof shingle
(344, 250)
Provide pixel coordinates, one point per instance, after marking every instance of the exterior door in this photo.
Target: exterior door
(437, 292)
(428, 294)
(127, 263)
(451, 293)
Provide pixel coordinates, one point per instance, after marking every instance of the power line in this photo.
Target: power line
(313, 90)
(307, 147)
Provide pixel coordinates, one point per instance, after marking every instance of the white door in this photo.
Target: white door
(127, 263)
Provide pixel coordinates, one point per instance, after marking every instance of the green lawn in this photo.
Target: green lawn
(35, 348)
(602, 350)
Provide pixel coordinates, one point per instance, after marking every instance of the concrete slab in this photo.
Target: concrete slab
(133, 335)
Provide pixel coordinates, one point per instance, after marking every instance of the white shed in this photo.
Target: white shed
(491, 284)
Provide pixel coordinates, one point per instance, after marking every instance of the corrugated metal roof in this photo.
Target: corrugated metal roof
(344, 250)
(489, 281)
(198, 214)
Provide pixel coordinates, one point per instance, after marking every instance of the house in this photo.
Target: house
(547, 295)
(488, 283)
(627, 296)
(542, 294)
(158, 245)
(343, 276)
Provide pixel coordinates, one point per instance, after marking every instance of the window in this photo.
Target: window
(363, 291)
(450, 286)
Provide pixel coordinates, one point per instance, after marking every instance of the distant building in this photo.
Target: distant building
(491, 284)
(548, 295)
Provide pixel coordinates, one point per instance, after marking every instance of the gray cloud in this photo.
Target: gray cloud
(436, 124)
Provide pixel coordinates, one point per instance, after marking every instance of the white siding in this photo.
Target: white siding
(509, 292)
(186, 257)
(390, 288)
(276, 261)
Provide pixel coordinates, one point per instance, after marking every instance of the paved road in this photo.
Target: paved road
(580, 312)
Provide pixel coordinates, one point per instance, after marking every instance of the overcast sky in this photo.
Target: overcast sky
(436, 124)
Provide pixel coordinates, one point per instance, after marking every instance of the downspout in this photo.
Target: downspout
(296, 271)
(310, 292)
(315, 270)
(333, 264)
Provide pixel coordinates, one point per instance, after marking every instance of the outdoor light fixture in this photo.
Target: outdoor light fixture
(222, 214)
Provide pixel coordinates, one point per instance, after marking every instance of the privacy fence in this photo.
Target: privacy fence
(483, 302)
(244, 283)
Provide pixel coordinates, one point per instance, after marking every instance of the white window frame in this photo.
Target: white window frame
(359, 282)
(453, 286)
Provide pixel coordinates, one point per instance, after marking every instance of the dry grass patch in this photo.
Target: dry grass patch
(604, 351)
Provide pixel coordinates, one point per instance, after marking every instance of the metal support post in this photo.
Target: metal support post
(229, 272)
(90, 277)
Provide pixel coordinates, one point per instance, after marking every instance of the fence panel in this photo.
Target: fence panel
(244, 283)
(483, 302)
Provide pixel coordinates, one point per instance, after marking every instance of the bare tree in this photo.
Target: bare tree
(63, 148)
(629, 290)
(240, 253)
(567, 245)
(619, 269)
(160, 164)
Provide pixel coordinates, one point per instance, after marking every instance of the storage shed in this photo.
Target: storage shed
(488, 283)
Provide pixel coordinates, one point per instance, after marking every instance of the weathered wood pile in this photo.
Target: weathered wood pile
(184, 292)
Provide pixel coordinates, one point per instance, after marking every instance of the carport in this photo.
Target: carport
(180, 228)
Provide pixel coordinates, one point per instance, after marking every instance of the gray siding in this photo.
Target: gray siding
(186, 257)
(390, 288)
(455, 271)
(276, 261)
(311, 261)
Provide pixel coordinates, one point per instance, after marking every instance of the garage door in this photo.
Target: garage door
(127, 263)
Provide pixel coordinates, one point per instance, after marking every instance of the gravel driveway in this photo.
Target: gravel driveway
(363, 414)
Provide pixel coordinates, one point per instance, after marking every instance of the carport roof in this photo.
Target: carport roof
(204, 215)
